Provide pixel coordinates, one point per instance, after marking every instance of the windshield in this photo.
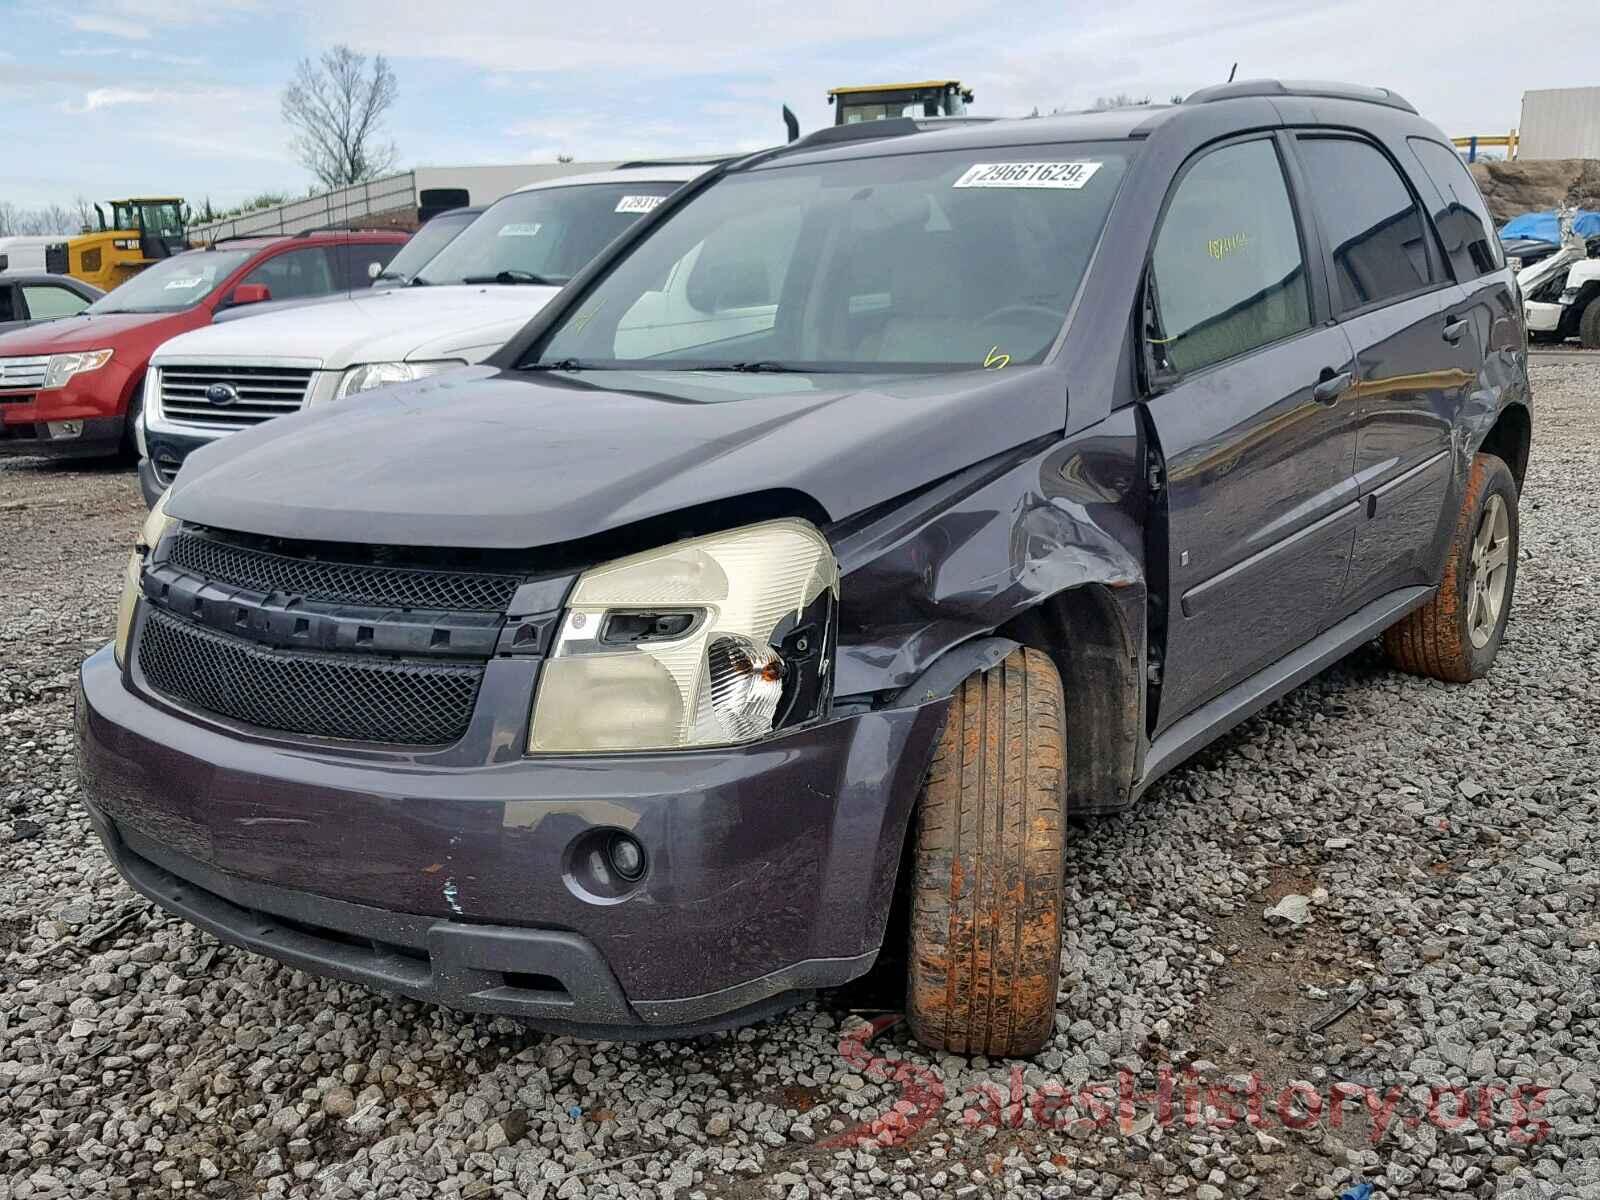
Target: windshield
(544, 236)
(931, 261)
(173, 284)
(424, 244)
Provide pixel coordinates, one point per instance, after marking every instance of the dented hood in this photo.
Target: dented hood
(477, 458)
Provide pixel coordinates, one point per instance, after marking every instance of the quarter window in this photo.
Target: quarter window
(1227, 270)
(1367, 215)
(1462, 220)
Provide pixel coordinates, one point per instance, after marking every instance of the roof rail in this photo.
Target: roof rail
(863, 131)
(333, 229)
(693, 160)
(1300, 87)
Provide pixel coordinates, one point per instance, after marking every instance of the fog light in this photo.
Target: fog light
(65, 429)
(626, 855)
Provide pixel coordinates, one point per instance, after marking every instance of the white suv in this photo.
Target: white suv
(461, 307)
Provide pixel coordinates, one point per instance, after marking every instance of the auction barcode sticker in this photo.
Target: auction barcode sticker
(1027, 175)
(638, 204)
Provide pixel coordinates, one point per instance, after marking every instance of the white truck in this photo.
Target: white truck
(26, 253)
(459, 309)
(1559, 291)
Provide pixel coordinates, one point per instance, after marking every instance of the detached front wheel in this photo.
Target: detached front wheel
(987, 877)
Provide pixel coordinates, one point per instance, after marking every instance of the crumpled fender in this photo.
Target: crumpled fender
(977, 550)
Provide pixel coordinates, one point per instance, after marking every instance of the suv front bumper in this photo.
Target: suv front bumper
(771, 866)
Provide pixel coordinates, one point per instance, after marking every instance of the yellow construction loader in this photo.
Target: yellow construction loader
(885, 101)
(139, 232)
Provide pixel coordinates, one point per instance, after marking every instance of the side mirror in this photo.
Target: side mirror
(374, 269)
(250, 293)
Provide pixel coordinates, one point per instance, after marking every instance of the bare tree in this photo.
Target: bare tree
(336, 106)
(1120, 100)
(50, 219)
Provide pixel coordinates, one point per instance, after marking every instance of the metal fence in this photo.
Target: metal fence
(336, 208)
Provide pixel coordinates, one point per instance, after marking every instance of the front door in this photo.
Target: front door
(1254, 420)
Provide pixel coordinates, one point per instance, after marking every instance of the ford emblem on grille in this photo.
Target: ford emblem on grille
(222, 394)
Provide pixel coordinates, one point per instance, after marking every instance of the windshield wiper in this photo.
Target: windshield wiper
(512, 276)
(761, 367)
(560, 364)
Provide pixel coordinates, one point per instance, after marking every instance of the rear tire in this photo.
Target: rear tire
(1589, 325)
(1456, 635)
(987, 873)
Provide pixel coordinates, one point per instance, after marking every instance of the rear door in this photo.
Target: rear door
(1250, 406)
(1416, 354)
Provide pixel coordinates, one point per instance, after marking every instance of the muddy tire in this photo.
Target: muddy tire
(987, 871)
(1456, 635)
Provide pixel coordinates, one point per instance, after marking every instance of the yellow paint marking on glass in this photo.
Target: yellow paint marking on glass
(995, 360)
(1220, 248)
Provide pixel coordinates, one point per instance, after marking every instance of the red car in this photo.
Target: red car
(72, 388)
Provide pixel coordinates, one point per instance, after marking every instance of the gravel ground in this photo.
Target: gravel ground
(1428, 854)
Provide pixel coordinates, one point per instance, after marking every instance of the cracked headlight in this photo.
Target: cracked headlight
(711, 641)
(155, 527)
(368, 376)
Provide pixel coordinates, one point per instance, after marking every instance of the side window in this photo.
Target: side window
(359, 257)
(48, 300)
(8, 305)
(1227, 271)
(1367, 215)
(296, 273)
(1463, 222)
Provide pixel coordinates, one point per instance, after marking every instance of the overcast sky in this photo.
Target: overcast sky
(103, 98)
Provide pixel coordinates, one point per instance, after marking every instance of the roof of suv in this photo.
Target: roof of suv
(867, 140)
(260, 241)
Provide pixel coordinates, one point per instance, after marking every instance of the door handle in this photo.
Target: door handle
(1453, 329)
(1330, 387)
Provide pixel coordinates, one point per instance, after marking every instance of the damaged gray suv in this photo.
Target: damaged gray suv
(756, 618)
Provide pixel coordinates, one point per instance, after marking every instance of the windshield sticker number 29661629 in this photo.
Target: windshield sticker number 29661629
(1071, 175)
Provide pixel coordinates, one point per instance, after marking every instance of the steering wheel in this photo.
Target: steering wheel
(1029, 310)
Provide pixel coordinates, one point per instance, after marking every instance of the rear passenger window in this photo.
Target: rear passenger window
(1380, 248)
(1227, 272)
(1463, 221)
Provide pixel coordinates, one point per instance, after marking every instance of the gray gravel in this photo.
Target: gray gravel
(1428, 853)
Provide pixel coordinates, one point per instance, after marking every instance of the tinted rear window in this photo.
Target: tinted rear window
(1368, 218)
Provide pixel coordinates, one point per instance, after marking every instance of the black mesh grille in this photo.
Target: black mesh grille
(340, 696)
(400, 587)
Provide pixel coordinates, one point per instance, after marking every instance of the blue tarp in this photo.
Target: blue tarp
(1546, 227)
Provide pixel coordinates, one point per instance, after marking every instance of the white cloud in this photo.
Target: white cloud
(111, 26)
(112, 97)
(140, 20)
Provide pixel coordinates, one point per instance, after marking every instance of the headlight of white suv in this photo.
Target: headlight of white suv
(155, 527)
(368, 376)
(711, 641)
(63, 367)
